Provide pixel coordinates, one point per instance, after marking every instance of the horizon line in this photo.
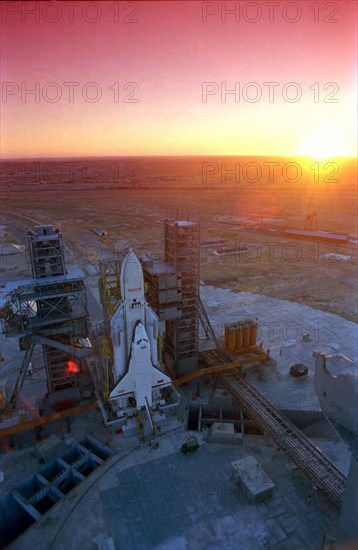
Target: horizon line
(6, 159)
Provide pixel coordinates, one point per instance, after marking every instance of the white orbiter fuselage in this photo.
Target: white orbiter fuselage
(134, 334)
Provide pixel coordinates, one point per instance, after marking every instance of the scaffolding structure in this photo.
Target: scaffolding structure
(49, 310)
(109, 288)
(110, 294)
(46, 251)
(163, 288)
(182, 252)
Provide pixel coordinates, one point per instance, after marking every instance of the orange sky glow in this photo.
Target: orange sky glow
(178, 78)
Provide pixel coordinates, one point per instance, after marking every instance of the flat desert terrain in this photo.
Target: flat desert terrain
(242, 223)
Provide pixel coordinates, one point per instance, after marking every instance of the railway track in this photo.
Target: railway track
(290, 439)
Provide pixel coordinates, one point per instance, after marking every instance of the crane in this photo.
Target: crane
(311, 220)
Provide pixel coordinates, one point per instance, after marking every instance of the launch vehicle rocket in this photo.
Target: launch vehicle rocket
(134, 334)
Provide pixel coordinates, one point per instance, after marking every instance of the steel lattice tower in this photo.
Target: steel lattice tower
(182, 251)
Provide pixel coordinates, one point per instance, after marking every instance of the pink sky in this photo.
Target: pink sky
(169, 53)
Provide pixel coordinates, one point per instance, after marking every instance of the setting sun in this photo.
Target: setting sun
(323, 144)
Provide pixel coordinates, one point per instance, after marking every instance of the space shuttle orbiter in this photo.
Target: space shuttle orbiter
(134, 334)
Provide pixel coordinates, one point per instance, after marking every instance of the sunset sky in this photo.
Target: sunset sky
(169, 53)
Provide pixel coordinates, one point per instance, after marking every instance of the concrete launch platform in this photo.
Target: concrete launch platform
(157, 498)
(282, 325)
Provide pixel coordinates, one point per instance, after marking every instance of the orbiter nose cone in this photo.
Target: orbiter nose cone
(140, 335)
(140, 331)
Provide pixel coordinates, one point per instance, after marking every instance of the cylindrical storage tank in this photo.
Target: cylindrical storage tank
(232, 341)
(246, 336)
(226, 338)
(239, 338)
(236, 338)
(253, 335)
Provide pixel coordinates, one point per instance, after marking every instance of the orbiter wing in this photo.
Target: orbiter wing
(159, 378)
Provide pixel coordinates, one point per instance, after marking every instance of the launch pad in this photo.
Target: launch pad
(143, 393)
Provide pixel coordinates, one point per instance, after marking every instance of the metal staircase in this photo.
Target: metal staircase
(289, 438)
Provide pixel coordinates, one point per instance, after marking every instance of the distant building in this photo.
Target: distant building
(100, 232)
(316, 235)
